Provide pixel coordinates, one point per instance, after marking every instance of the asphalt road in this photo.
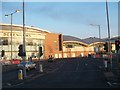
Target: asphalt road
(69, 73)
(10, 72)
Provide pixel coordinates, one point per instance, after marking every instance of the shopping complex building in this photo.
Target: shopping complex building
(76, 47)
(55, 44)
(10, 39)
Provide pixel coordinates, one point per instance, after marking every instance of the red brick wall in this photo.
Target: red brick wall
(51, 44)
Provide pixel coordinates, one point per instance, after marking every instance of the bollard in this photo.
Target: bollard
(105, 64)
(20, 75)
(41, 68)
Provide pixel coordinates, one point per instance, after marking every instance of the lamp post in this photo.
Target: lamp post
(99, 32)
(11, 14)
(24, 49)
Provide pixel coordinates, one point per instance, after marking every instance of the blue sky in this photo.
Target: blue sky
(68, 18)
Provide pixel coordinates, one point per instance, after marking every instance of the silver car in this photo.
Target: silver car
(29, 65)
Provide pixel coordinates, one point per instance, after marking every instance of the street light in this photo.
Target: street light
(24, 49)
(99, 32)
(11, 27)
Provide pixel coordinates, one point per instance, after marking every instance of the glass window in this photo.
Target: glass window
(30, 43)
(5, 42)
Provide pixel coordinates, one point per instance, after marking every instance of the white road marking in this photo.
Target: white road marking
(115, 83)
(35, 77)
(18, 84)
(109, 83)
(9, 84)
(56, 68)
(86, 64)
(13, 85)
(53, 70)
(100, 67)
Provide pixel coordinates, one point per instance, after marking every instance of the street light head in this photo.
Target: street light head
(17, 11)
(6, 15)
(91, 24)
(94, 24)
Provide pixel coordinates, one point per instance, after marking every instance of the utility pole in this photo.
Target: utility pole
(109, 43)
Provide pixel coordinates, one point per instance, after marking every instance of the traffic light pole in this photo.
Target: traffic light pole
(39, 62)
(40, 54)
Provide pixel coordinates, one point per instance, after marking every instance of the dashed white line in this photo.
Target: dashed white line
(109, 83)
(9, 84)
(100, 67)
(18, 84)
(86, 64)
(56, 68)
(14, 85)
(115, 83)
(36, 76)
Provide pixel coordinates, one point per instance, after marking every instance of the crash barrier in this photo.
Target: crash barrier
(20, 75)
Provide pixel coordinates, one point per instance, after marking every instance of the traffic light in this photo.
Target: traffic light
(40, 51)
(117, 45)
(106, 47)
(20, 51)
(2, 53)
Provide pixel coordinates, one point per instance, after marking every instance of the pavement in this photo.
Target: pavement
(30, 76)
(113, 78)
(69, 73)
(22, 81)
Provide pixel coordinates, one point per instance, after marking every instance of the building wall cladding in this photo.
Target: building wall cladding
(52, 45)
(78, 49)
(34, 38)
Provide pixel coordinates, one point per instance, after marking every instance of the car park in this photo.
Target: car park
(28, 65)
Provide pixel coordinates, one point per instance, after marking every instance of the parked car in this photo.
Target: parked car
(29, 65)
(51, 59)
(5, 62)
